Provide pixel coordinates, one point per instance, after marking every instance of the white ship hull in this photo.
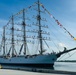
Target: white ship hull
(46, 61)
(40, 61)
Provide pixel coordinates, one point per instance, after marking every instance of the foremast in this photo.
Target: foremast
(4, 41)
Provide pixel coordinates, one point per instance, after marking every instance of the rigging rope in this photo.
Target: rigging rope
(48, 46)
(25, 9)
(20, 13)
(7, 23)
(58, 22)
(70, 55)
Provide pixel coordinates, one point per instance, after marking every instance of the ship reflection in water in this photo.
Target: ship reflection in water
(60, 66)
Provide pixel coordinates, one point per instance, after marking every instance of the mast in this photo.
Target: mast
(24, 32)
(4, 41)
(13, 48)
(40, 31)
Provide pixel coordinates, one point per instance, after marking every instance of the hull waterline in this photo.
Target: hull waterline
(40, 61)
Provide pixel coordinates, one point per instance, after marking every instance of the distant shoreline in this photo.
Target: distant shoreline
(66, 61)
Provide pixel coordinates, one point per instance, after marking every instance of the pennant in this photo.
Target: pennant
(51, 16)
(19, 12)
(41, 5)
(74, 38)
(29, 6)
(57, 22)
(60, 24)
(48, 12)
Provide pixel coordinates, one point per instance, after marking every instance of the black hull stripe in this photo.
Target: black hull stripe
(30, 65)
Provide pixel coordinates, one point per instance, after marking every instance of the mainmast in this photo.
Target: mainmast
(24, 32)
(40, 31)
(13, 48)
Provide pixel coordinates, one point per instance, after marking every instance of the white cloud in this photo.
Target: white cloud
(62, 45)
(3, 22)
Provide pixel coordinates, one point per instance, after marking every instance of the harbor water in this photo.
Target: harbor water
(65, 66)
(60, 66)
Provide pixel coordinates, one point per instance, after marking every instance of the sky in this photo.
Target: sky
(63, 10)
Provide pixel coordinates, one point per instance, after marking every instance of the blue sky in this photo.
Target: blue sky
(63, 10)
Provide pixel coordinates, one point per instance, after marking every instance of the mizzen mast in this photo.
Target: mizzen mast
(4, 41)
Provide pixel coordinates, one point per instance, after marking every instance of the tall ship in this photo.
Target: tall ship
(25, 40)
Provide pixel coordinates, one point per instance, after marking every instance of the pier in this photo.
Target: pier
(16, 72)
(33, 71)
(37, 72)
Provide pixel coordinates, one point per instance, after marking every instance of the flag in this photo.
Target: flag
(74, 38)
